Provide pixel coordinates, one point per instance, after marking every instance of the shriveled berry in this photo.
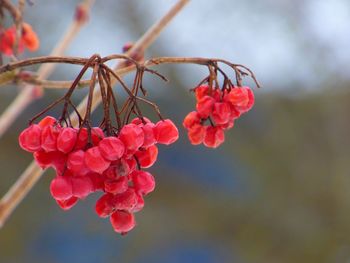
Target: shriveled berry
(242, 98)
(61, 188)
(166, 132)
(143, 181)
(94, 160)
(82, 186)
(47, 121)
(76, 163)
(122, 221)
(67, 203)
(117, 186)
(66, 139)
(205, 106)
(104, 205)
(30, 138)
(132, 136)
(221, 113)
(49, 137)
(111, 148)
(214, 137)
(191, 119)
(126, 200)
(196, 134)
(147, 157)
(149, 138)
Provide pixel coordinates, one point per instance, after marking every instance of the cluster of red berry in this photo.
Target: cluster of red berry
(221, 109)
(87, 161)
(29, 40)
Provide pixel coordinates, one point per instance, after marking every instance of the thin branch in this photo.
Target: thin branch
(32, 174)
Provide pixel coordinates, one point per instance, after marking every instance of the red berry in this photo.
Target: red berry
(66, 139)
(30, 138)
(196, 134)
(242, 98)
(82, 139)
(96, 135)
(214, 137)
(67, 203)
(47, 121)
(111, 148)
(61, 188)
(201, 91)
(49, 136)
(117, 186)
(82, 186)
(166, 132)
(149, 139)
(104, 205)
(139, 205)
(76, 163)
(205, 106)
(221, 113)
(122, 221)
(94, 160)
(144, 182)
(132, 136)
(191, 119)
(126, 200)
(138, 121)
(147, 157)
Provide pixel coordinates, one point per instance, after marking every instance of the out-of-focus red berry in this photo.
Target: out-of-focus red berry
(214, 137)
(205, 106)
(47, 121)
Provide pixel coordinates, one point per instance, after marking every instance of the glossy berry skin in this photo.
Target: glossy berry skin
(122, 221)
(30, 138)
(166, 132)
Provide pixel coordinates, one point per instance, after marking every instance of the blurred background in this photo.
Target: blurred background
(276, 191)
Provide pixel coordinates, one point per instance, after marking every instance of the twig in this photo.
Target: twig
(32, 174)
(27, 95)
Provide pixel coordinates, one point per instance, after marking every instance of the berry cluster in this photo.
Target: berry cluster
(86, 161)
(29, 40)
(221, 109)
